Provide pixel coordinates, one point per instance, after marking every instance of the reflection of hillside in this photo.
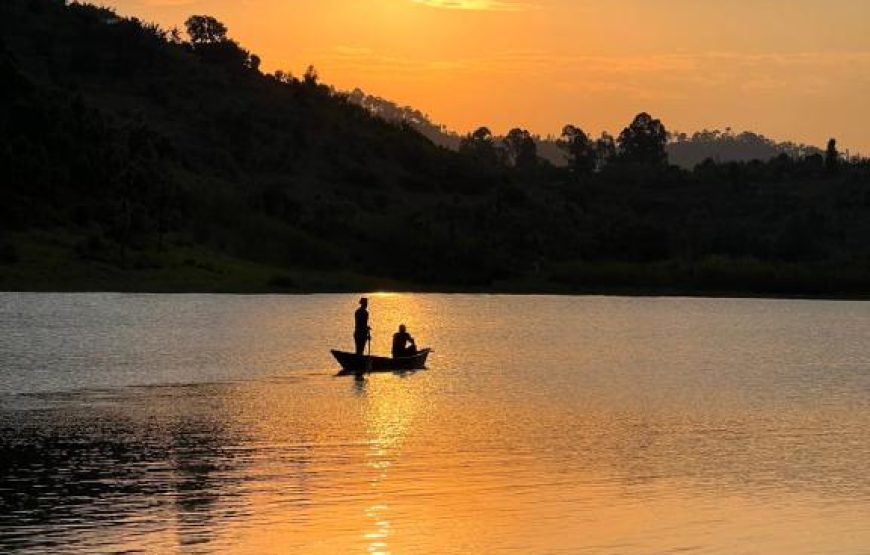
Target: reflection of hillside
(90, 475)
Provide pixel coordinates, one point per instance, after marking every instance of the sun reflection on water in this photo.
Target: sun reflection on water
(390, 410)
(389, 310)
(543, 425)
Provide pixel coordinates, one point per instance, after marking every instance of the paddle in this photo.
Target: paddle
(369, 359)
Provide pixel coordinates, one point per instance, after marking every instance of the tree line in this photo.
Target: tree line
(131, 142)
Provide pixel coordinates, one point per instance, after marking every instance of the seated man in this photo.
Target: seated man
(403, 343)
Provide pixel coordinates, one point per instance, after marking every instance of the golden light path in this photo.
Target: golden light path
(391, 412)
(604, 434)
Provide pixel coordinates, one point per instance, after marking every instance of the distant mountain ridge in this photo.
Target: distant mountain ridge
(684, 150)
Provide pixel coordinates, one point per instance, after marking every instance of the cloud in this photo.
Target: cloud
(477, 5)
(169, 3)
(699, 66)
(652, 76)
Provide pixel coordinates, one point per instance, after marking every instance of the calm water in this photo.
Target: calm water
(543, 425)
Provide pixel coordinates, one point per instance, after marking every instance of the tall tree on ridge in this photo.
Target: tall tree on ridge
(579, 148)
(832, 156)
(205, 29)
(521, 149)
(605, 150)
(480, 145)
(643, 142)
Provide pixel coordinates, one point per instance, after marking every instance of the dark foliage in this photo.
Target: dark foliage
(582, 153)
(520, 148)
(134, 141)
(204, 29)
(688, 151)
(643, 142)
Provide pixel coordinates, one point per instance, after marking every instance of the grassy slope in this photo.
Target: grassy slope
(47, 261)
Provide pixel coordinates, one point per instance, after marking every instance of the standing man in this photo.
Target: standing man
(361, 329)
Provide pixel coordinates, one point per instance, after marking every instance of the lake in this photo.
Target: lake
(545, 425)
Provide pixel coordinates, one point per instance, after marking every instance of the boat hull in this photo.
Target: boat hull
(352, 363)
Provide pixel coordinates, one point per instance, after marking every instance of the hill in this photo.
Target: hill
(136, 160)
(684, 150)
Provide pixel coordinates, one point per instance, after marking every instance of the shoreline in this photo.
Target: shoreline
(48, 263)
(449, 290)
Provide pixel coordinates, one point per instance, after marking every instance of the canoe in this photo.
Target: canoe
(352, 363)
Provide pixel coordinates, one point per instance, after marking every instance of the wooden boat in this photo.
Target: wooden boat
(352, 363)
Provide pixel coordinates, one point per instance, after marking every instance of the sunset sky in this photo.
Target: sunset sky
(791, 69)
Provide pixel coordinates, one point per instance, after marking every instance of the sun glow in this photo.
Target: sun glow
(540, 64)
(480, 5)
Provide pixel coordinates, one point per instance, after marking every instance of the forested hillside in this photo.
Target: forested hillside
(684, 150)
(134, 157)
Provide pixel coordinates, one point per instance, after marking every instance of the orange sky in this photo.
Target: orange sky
(791, 69)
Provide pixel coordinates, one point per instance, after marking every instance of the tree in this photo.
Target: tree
(204, 29)
(521, 149)
(643, 142)
(832, 156)
(209, 39)
(311, 76)
(480, 145)
(283, 76)
(174, 36)
(605, 150)
(579, 148)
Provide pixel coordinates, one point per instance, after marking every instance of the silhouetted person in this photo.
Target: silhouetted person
(403, 343)
(361, 329)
